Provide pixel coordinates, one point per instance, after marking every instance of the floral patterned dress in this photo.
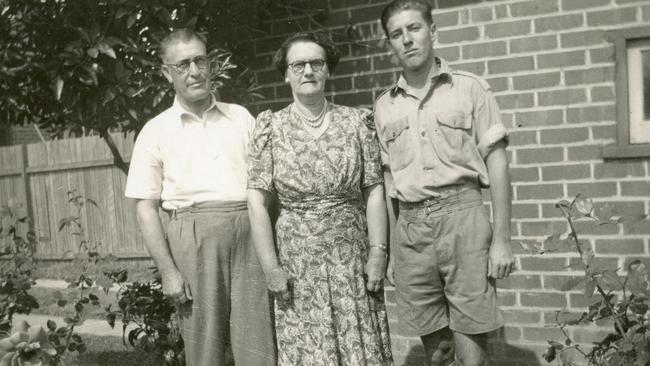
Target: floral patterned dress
(331, 319)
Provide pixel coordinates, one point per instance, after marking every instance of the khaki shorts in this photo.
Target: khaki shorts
(441, 260)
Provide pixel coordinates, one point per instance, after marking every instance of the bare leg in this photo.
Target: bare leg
(471, 349)
(438, 347)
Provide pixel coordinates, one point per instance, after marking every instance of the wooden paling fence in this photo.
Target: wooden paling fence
(40, 175)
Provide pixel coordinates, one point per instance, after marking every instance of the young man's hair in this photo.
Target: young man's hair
(179, 35)
(396, 6)
(320, 38)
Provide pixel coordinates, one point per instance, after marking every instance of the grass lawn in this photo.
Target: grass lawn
(48, 303)
(108, 351)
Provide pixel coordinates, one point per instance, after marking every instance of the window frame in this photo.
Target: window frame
(623, 148)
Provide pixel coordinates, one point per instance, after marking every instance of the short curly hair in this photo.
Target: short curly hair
(397, 6)
(179, 35)
(320, 38)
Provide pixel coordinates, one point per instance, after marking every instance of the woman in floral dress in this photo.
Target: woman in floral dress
(322, 162)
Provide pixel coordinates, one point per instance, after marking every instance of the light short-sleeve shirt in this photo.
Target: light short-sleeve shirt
(429, 145)
(183, 159)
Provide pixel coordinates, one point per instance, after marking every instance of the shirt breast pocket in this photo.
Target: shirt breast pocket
(400, 148)
(456, 130)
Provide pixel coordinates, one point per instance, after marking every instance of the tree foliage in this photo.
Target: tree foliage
(82, 66)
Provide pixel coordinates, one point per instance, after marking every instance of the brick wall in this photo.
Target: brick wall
(552, 70)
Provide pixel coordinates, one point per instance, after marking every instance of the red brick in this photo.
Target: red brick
(615, 16)
(458, 35)
(533, 8)
(630, 1)
(580, 301)
(455, 3)
(510, 65)
(558, 22)
(477, 68)
(385, 61)
(289, 26)
(602, 94)
(547, 117)
(562, 283)
(550, 211)
(501, 11)
(338, 84)
(506, 298)
(566, 171)
(530, 44)
(599, 55)
(637, 228)
(620, 246)
(366, 14)
(535, 81)
(451, 53)
(369, 81)
(564, 135)
(590, 335)
(268, 77)
(561, 59)
(517, 138)
(562, 97)
(540, 155)
(589, 114)
(507, 29)
(485, 49)
(498, 84)
(542, 334)
(581, 153)
(582, 4)
(518, 174)
(525, 210)
(340, 4)
(519, 281)
(542, 228)
(543, 299)
(352, 66)
(482, 15)
(510, 334)
(543, 264)
(589, 76)
(516, 101)
(522, 316)
(604, 132)
(267, 92)
(593, 190)
(268, 44)
(539, 191)
(619, 169)
(637, 188)
(590, 228)
(354, 99)
(284, 91)
(582, 39)
(446, 19)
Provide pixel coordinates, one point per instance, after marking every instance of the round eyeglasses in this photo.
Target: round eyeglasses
(183, 66)
(298, 67)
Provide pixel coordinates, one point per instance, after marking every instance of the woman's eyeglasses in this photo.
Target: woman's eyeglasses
(201, 63)
(298, 67)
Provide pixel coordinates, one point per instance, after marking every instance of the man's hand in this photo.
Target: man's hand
(277, 281)
(375, 269)
(501, 261)
(390, 270)
(176, 287)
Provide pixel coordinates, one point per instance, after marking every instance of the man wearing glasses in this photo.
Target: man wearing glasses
(191, 159)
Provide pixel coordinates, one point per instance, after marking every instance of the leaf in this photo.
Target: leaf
(92, 52)
(51, 325)
(131, 20)
(61, 302)
(58, 87)
(571, 283)
(92, 202)
(66, 221)
(572, 357)
(107, 50)
(110, 318)
(584, 206)
(590, 287)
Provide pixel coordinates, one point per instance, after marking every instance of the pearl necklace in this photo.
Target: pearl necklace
(315, 122)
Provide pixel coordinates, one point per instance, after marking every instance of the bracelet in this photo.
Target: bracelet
(381, 247)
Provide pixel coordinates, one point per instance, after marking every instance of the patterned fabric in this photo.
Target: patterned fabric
(331, 319)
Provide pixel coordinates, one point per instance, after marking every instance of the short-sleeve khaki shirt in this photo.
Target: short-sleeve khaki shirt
(431, 144)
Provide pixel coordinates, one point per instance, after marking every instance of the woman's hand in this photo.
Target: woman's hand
(376, 269)
(277, 281)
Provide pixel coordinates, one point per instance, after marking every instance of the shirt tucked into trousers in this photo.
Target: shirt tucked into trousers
(212, 247)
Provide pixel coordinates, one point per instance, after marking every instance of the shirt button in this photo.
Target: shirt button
(423, 133)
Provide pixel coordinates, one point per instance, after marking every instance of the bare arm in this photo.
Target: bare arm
(174, 285)
(375, 203)
(393, 213)
(262, 233)
(501, 258)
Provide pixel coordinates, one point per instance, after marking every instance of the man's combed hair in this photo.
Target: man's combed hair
(320, 38)
(396, 6)
(179, 35)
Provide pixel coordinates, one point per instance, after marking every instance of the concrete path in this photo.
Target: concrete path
(90, 326)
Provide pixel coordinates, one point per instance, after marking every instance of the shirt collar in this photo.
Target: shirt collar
(215, 107)
(444, 71)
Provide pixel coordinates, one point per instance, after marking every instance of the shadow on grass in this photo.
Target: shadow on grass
(109, 351)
